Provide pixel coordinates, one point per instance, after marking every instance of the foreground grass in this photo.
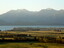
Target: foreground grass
(30, 45)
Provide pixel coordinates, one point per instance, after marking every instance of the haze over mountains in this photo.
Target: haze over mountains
(25, 17)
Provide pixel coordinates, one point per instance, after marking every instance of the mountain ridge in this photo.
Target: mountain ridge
(25, 17)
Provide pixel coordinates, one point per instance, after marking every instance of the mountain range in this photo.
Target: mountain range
(25, 17)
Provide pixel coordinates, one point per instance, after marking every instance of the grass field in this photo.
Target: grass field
(30, 45)
(35, 33)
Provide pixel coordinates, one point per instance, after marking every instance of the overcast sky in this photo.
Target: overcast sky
(32, 5)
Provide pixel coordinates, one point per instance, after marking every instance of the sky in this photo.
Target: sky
(31, 5)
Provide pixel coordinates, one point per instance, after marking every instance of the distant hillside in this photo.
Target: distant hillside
(25, 17)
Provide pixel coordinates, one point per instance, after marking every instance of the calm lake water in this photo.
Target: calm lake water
(11, 27)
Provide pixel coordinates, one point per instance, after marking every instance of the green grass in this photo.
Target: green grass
(30, 45)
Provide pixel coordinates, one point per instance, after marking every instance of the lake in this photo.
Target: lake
(11, 27)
